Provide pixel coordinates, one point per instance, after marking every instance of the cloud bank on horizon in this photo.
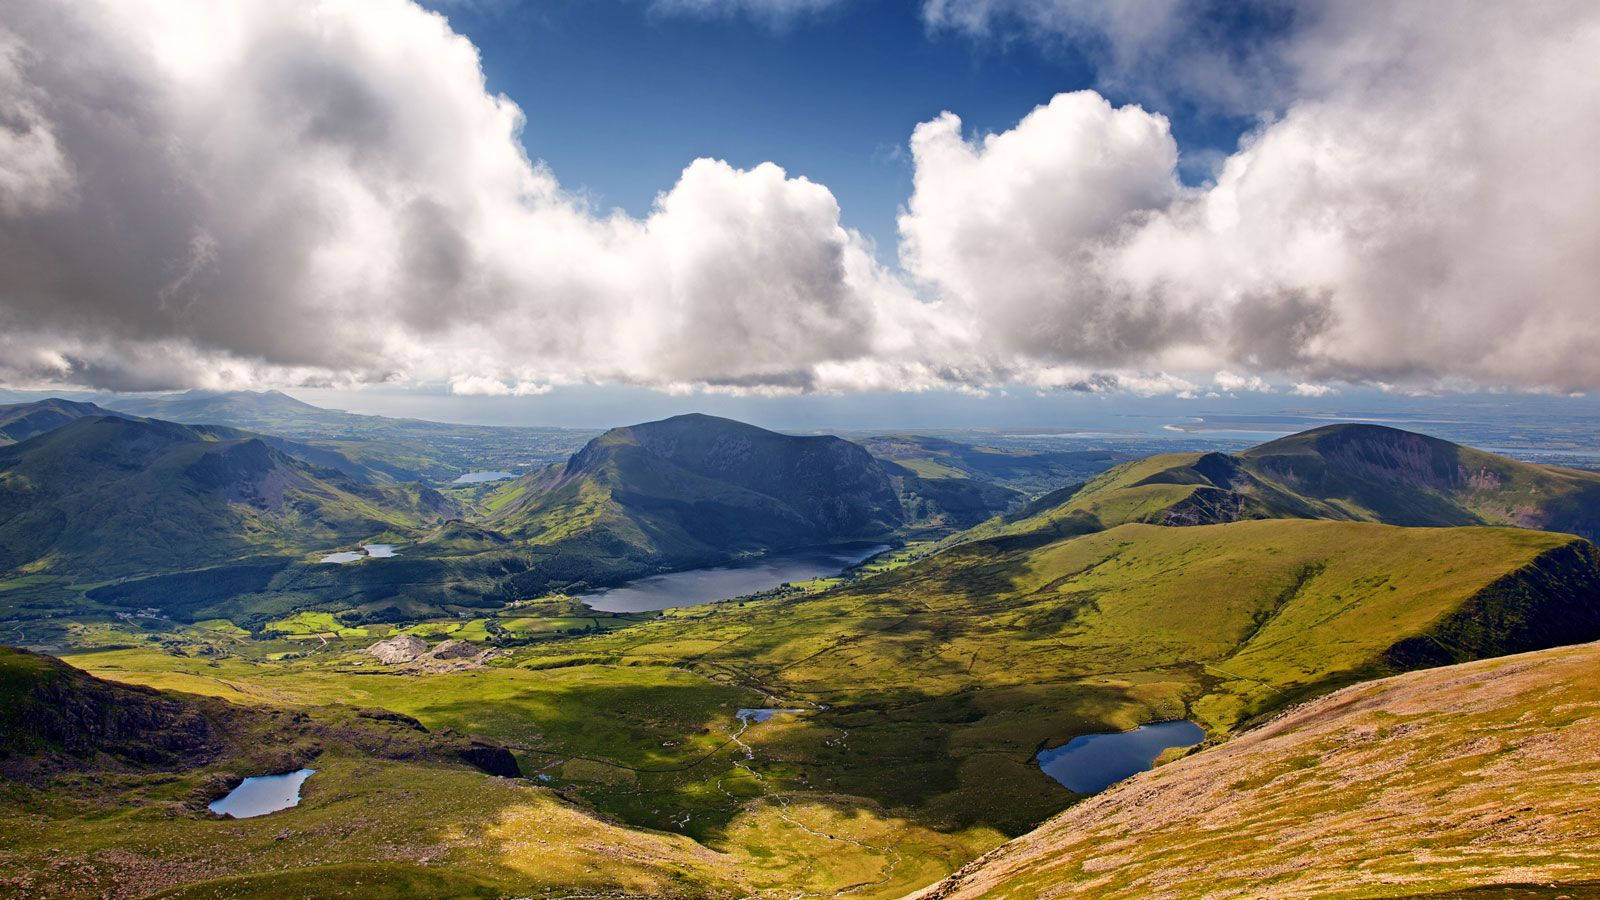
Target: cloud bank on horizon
(252, 193)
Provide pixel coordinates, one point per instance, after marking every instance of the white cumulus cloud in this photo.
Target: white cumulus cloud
(235, 194)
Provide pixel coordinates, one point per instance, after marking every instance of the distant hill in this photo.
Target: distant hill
(1023, 471)
(106, 496)
(239, 408)
(403, 449)
(20, 421)
(696, 488)
(1366, 473)
(1451, 782)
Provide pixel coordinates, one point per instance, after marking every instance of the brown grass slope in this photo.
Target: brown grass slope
(1431, 782)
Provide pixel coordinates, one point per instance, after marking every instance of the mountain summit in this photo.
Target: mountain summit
(696, 488)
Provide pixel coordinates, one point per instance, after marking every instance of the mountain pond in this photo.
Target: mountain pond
(696, 586)
(482, 477)
(1090, 763)
(367, 551)
(262, 794)
(749, 715)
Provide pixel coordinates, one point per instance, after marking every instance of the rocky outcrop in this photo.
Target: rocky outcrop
(453, 650)
(410, 653)
(398, 650)
(490, 758)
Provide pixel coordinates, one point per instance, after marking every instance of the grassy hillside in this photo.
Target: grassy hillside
(1354, 472)
(1429, 783)
(924, 692)
(103, 496)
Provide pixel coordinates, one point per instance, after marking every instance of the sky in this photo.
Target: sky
(620, 94)
(881, 208)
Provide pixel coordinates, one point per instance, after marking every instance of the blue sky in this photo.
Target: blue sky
(620, 95)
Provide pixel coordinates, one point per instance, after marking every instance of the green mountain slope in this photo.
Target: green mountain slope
(1355, 472)
(104, 496)
(21, 421)
(696, 489)
(1429, 783)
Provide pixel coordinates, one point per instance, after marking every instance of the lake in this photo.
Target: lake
(262, 794)
(697, 586)
(1093, 762)
(481, 477)
(367, 551)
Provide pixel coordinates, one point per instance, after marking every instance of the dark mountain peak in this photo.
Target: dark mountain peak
(1365, 451)
(694, 427)
(21, 421)
(696, 487)
(705, 444)
(1220, 469)
(97, 433)
(1346, 434)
